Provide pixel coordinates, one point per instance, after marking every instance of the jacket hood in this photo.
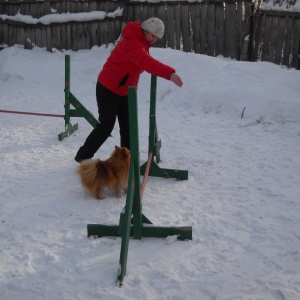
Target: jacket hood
(134, 32)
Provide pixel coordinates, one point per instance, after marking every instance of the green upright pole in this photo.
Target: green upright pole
(133, 199)
(67, 90)
(126, 224)
(135, 156)
(69, 128)
(154, 143)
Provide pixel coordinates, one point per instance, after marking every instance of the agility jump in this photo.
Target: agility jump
(132, 222)
(78, 109)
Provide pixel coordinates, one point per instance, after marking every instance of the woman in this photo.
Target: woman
(122, 69)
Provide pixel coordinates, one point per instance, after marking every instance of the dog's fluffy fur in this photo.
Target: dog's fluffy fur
(112, 174)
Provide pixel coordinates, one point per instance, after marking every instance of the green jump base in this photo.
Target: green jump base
(99, 230)
(156, 171)
(70, 128)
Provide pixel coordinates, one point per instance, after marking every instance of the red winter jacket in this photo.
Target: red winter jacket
(128, 60)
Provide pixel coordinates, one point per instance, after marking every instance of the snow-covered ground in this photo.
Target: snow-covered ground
(242, 197)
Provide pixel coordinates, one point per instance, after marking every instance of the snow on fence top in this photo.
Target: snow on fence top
(64, 17)
(282, 5)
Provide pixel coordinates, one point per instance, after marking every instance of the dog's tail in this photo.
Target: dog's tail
(87, 171)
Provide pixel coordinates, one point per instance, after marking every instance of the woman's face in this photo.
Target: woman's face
(150, 38)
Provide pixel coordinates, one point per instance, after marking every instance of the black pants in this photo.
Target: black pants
(110, 107)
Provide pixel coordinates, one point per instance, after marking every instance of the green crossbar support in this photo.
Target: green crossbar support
(155, 143)
(78, 111)
(132, 222)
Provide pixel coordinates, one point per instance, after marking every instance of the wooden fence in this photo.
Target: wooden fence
(232, 28)
(60, 35)
(208, 27)
(276, 37)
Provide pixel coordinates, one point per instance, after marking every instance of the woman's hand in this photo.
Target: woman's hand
(176, 79)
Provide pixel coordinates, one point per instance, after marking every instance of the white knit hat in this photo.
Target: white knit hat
(154, 26)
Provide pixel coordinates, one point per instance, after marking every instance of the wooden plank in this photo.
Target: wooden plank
(279, 41)
(273, 37)
(59, 30)
(12, 35)
(185, 25)
(103, 40)
(46, 8)
(28, 43)
(210, 49)
(86, 36)
(25, 9)
(112, 33)
(10, 40)
(151, 11)
(75, 28)
(69, 36)
(81, 28)
(13, 9)
(144, 11)
(38, 36)
(32, 36)
(44, 40)
(240, 27)
(265, 48)
(49, 37)
(219, 30)
(203, 28)
(17, 35)
(129, 13)
(35, 10)
(249, 27)
(244, 51)
(296, 45)
(60, 7)
(230, 46)
(56, 37)
(161, 14)
(86, 40)
(2, 40)
(5, 33)
(137, 13)
(170, 26)
(94, 27)
(195, 19)
(69, 29)
(257, 22)
(57, 33)
(177, 27)
(79, 32)
(3, 27)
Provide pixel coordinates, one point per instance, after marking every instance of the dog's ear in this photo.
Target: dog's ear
(123, 153)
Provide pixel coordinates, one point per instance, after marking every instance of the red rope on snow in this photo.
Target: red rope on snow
(31, 113)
